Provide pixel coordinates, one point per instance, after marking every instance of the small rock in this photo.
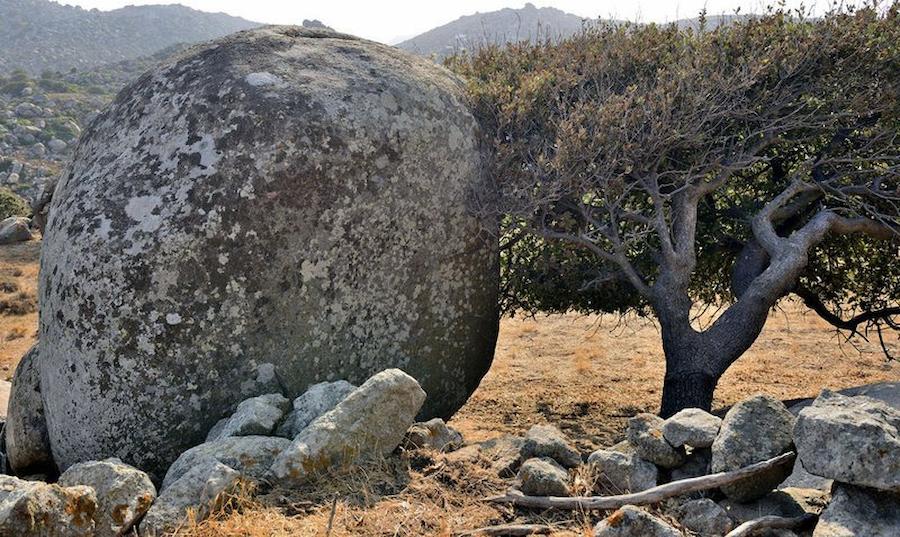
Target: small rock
(198, 490)
(56, 145)
(505, 454)
(631, 521)
(255, 416)
(317, 400)
(251, 456)
(645, 434)
(27, 440)
(433, 434)
(34, 509)
(704, 517)
(859, 512)
(371, 421)
(15, 229)
(622, 472)
(548, 441)
(754, 430)
(543, 477)
(124, 493)
(854, 440)
(691, 427)
(697, 465)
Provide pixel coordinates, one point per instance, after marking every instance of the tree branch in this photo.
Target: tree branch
(754, 527)
(649, 496)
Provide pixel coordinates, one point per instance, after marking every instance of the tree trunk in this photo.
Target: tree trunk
(687, 390)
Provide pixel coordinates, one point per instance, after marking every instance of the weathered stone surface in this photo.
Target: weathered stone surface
(704, 517)
(123, 492)
(886, 392)
(198, 490)
(34, 509)
(433, 434)
(543, 477)
(789, 503)
(14, 229)
(548, 441)
(371, 421)
(622, 472)
(281, 196)
(631, 521)
(754, 430)
(800, 478)
(251, 456)
(505, 454)
(853, 440)
(315, 401)
(255, 416)
(691, 427)
(645, 434)
(857, 512)
(27, 441)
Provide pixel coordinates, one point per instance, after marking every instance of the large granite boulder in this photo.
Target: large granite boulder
(27, 441)
(853, 440)
(280, 197)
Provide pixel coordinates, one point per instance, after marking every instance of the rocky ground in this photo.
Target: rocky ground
(585, 376)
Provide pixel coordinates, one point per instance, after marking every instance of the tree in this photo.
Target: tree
(652, 169)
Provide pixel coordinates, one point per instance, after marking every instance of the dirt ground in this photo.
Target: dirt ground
(585, 374)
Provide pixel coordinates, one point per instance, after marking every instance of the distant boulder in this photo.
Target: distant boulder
(300, 202)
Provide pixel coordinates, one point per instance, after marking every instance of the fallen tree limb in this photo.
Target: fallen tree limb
(649, 496)
(752, 527)
(510, 530)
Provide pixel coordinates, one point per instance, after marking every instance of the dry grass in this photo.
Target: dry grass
(18, 302)
(585, 374)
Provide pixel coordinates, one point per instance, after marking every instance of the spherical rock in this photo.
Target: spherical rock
(281, 198)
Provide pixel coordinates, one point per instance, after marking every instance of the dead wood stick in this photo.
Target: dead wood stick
(510, 530)
(752, 527)
(649, 496)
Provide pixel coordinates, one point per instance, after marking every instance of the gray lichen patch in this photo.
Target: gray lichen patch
(278, 206)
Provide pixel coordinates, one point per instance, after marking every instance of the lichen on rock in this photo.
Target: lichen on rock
(295, 199)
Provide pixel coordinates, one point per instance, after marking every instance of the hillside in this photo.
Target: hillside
(39, 35)
(502, 26)
(526, 24)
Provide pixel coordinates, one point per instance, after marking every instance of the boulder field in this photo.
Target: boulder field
(275, 209)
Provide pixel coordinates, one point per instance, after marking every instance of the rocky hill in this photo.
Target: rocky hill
(502, 26)
(40, 35)
(529, 23)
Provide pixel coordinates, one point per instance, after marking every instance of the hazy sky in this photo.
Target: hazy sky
(390, 21)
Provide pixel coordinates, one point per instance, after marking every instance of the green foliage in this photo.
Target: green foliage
(12, 205)
(578, 127)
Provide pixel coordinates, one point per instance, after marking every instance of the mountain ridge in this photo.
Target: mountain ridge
(42, 35)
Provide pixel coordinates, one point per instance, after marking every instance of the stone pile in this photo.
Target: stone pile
(267, 439)
(852, 441)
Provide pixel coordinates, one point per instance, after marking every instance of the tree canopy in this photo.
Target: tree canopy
(650, 168)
